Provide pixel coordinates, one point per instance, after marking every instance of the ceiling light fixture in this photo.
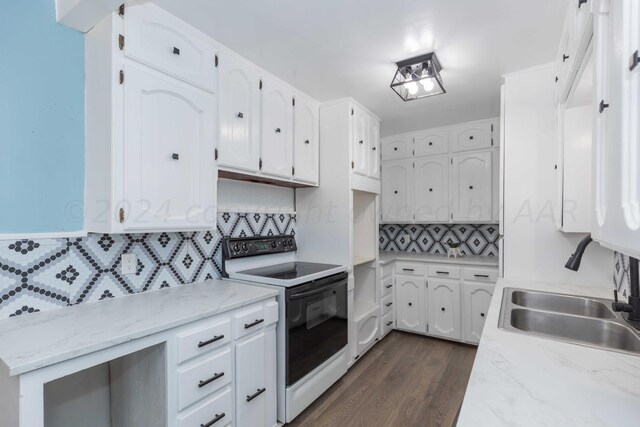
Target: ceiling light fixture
(418, 77)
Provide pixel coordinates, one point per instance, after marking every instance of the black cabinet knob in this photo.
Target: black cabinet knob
(176, 51)
(373, 148)
(481, 314)
(443, 309)
(603, 106)
(306, 141)
(471, 187)
(431, 189)
(278, 130)
(564, 58)
(175, 156)
(410, 304)
(240, 115)
(471, 137)
(395, 148)
(431, 143)
(395, 192)
(361, 142)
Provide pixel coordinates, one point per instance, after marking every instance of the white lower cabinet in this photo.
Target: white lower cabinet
(443, 308)
(387, 323)
(217, 411)
(410, 303)
(477, 298)
(368, 331)
(251, 381)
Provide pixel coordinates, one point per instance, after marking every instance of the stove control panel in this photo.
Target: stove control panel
(239, 247)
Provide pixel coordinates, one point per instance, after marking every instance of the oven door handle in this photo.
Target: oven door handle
(316, 291)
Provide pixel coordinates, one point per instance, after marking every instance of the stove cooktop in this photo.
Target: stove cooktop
(289, 270)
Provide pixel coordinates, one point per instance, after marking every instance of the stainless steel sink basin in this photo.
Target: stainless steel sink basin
(559, 303)
(572, 319)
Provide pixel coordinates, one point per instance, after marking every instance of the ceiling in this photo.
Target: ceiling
(336, 48)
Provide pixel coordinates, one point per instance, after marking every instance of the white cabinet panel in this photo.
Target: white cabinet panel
(305, 141)
(472, 136)
(472, 187)
(431, 142)
(443, 304)
(218, 410)
(374, 148)
(251, 382)
(368, 330)
(387, 323)
(277, 129)
(432, 189)
(202, 379)
(410, 303)
(239, 103)
(360, 143)
(169, 138)
(477, 298)
(397, 147)
(397, 191)
(495, 183)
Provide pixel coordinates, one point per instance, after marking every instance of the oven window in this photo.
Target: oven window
(317, 327)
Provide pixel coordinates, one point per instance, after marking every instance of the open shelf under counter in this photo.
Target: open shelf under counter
(363, 308)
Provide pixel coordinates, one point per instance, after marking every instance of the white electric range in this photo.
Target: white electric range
(312, 331)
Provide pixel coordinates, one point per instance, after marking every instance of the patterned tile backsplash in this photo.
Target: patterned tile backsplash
(43, 274)
(621, 278)
(474, 239)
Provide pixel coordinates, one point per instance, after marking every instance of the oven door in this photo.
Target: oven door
(317, 324)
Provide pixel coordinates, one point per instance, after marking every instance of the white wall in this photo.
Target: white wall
(533, 248)
(239, 196)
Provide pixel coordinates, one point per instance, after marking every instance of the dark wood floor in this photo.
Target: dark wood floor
(405, 380)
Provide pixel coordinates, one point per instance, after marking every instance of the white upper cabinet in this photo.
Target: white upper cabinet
(277, 129)
(409, 298)
(397, 191)
(472, 187)
(168, 151)
(360, 143)
(432, 189)
(374, 148)
(305, 141)
(472, 136)
(443, 306)
(431, 142)
(397, 147)
(239, 115)
(160, 40)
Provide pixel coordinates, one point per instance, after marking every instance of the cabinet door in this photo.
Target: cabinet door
(374, 148)
(397, 147)
(564, 57)
(361, 156)
(239, 103)
(397, 191)
(443, 301)
(410, 303)
(471, 186)
(305, 141)
(169, 171)
(368, 332)
(250, 385)
(477, 298)
(431, 142)
(432, 189)
(277, 129)
(472, 136)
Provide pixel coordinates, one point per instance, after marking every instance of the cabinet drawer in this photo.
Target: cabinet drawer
(216, 412)
(204, 378)
(249, 321)
(396, 148)
(471, 136)
(431, 142)
(160, 40)
(387, 286)
(387, 304)
(203, 339)
(444, 271)
(480, 274)
(416, 268)
(387, 323)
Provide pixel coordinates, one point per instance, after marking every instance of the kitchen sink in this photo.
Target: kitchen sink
(573, 319)
(559, 303)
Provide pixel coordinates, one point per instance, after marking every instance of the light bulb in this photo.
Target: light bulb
(427, 84)
(412, 87)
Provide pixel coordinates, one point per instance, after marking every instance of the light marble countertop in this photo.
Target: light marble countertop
(485, 261)
(37, 340)
(520, 380)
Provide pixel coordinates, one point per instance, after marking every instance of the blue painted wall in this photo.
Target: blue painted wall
(41, 120)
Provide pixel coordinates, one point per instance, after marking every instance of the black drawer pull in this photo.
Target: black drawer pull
(240, 115)
(603, 106)
(389, 286)
(565, 57)
(217, 418)
(203, 383)
(481, 314)
(442, 272)
(407, 269)
(389, 323)
(581, 2)
(256, 394)
(484, 276)
(389, 304)
(257, 322)
(175, 156)
(633, 63)
(211, 341)
(176, 51)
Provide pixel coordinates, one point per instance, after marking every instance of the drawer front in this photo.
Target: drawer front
(473, 136)
(444, 271)
(387, 323)
(489, 275)
(160, 40)
(410, 268)
(216, 412)
(249, 321)
(387, 286)
(204, 339)
(387, 304)
(430, 143)
(202, 379)
(396, 148)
